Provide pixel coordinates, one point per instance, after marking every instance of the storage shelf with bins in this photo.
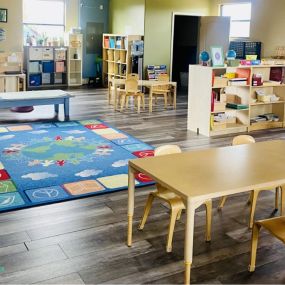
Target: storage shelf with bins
(204, 80)
(46, 67)
(117, 55)
(75, 60)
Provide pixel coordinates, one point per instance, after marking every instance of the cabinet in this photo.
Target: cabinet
(212, 98)
(117, 60)
(41, 64)
(75, 53)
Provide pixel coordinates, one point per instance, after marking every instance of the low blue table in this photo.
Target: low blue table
(36, 98)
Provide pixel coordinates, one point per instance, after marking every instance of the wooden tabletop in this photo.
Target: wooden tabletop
(216, 172)
(145, 82)
(31, 95)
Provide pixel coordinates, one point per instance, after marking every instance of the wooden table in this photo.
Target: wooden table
(115, 83)
(36, 98)
(201, 175)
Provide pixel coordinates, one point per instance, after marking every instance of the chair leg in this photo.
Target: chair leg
(173, 217)
(143, 102)
(123, 102)
(139, 104)
(249, 198)
(254, 243)
(146, 211)
(253, 206)
(282, 211)
(165, 101)
(179, 215)
(222, 203)
(208, 205)
(276, 199)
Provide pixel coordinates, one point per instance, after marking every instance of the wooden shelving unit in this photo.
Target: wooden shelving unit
(75, 65)
(200, 113)
(117, 62)
(46, 67)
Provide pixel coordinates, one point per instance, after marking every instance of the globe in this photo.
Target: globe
(204, 56)
(231, 54)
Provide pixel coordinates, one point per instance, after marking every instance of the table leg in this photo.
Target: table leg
(56, 108)
(131, 202)
(174, 96)
(189, 235)
(115, 96)
(150, 99)
(66, 109)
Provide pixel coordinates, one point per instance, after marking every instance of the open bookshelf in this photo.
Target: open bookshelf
(117, 61)
(75, 65)
(213, 99)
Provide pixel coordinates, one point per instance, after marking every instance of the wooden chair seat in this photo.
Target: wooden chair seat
(275, 226)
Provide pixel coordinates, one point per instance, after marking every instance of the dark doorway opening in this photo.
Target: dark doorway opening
(185, 48)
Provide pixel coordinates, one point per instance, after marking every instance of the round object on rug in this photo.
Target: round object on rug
(27, 109)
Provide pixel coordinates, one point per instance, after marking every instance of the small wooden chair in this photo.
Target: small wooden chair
(175, 202)
(275, 226)
(162, 90)
(246, 139)
(131, 90)
(133, 75)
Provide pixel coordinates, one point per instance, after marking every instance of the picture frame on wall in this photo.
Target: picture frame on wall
(3, 15)
(217, 55)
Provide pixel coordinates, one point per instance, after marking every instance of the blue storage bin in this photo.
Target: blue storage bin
(35, 80)
(48, 66)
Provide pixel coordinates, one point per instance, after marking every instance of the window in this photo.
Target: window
(44, 20)
(240, 19)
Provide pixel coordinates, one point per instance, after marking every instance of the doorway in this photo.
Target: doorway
(185, 41)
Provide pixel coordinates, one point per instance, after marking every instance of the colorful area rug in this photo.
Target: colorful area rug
(52, 162)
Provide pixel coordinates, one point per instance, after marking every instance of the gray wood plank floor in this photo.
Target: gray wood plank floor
(83, 241)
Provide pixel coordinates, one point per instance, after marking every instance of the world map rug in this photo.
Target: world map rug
(43, 163)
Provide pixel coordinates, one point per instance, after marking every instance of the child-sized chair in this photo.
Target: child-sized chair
(246, 139)
(131, 90)
(275, 226)
(175, 202)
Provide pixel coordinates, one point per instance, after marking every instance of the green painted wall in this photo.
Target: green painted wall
(158, 26)
(127, 16)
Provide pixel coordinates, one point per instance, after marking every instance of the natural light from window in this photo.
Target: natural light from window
(43, 19)
(240, 19)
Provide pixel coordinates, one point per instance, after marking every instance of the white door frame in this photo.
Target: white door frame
(172, 34)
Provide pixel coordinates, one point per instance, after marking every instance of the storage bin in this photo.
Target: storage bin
(36, 53)
(59, 66)
(217, 126)
(35, 80)
(110, 54)
(60, 54)
(34, 67)
(219, 107)
(220, 81)
(48, 66)
(46, 78)
(47, 53)
(58, 78)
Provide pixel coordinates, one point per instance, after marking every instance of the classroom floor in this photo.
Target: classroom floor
(83, 241)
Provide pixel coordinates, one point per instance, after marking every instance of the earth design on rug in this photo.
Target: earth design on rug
(62, 161)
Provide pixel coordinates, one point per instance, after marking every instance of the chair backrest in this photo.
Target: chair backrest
(131, 85)
(243, 139)
(167, 149)
(163, 78)
(133, 75)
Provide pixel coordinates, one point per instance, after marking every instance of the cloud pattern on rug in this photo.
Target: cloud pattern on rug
(120, 163)
(88, 173)
(36, 176)
(7, 137)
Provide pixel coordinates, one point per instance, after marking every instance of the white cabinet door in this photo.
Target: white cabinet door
(11, 84)
(214, 31)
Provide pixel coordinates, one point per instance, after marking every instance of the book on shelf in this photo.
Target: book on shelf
(112, 43)
(118, 42)
(238, 81)
(106, 43)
